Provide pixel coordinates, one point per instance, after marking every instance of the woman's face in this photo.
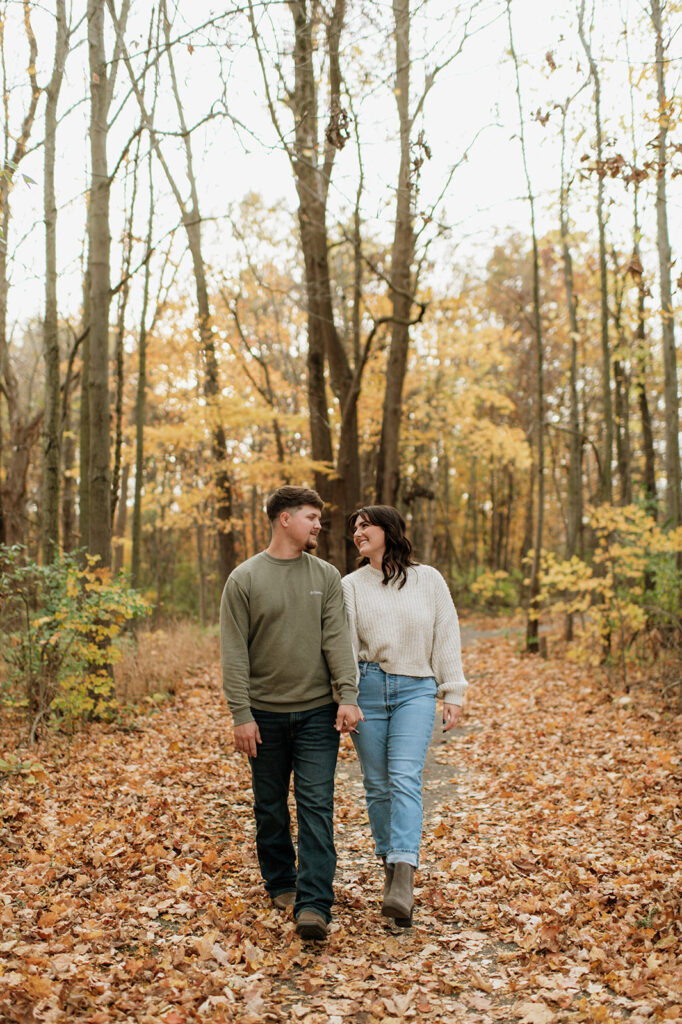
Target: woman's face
(369, 539)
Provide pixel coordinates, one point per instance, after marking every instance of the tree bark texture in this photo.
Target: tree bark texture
(52, 422)
(140, 405)
(607, 450)
(99, 525)
(574, 516)
(532, 623)
(68, 490)
(670, 386)
(84, 422)
(649, 476)
(121, 519)
(119, 350)
(191, 220)
(23, 426)
(341, 490)
(402, 257)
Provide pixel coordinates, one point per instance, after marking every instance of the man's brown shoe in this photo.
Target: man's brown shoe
(284, 900)
(310, 925)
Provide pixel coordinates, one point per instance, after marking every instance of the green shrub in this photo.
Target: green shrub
(630, 590)
(495, 590)
(58, 624)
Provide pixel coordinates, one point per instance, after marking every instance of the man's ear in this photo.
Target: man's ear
(284, 518)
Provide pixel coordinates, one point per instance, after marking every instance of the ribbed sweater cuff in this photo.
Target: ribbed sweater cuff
(453, 693)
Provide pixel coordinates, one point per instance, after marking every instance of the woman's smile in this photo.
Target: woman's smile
(370, 540)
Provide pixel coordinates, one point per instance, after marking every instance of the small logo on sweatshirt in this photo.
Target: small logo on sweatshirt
(316, 592)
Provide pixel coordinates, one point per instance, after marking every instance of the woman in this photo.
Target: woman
(405, 634)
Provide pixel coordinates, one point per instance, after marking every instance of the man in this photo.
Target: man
(290, 681)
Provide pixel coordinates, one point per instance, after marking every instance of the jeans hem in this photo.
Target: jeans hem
(403, 857)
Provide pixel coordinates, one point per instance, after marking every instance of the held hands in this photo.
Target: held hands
(247, 738)
(348, 717)
(451, 716)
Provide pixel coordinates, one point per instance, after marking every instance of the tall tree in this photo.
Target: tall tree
(670, 390)
(607, 411)
(190, 212)
(99, 526)
(402, 258)
(532, 631)
(140, 402)
(52, 422)
(636, 269)
(312, 163)
(404, 276)
(574, 517)
(23, 426)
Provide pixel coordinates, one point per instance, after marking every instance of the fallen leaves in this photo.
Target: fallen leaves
(549, 888)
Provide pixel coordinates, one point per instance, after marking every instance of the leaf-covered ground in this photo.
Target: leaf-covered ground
(550, 886)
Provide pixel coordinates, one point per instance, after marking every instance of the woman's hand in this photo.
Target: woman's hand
(348, 717)
(451, 716)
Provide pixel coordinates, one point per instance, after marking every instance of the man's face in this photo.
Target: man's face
(303, 525)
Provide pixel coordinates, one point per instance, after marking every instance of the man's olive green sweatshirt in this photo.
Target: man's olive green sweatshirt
(284, 641)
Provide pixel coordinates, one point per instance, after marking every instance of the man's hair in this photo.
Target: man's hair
(286, 498)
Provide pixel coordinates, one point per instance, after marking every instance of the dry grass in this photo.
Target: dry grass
(157, 661)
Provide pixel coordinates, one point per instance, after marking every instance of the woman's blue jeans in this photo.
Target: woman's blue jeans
(307, 744)
(391, 744)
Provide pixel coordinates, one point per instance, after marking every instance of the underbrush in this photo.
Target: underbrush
(157, 661)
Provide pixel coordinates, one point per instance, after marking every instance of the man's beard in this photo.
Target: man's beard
(311, 544)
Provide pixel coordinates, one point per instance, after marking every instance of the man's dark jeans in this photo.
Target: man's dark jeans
(306, 743)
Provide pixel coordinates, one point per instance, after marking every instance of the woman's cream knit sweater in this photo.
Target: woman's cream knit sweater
(409, 631)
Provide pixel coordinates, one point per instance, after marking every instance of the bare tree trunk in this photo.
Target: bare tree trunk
(52, 425)
(140, 404)
(99, 526)
(119, 350)
(510, 506)
(574, 517)
(607, 451)
(23, 434)
(23, 427)
(623, 451)
(641, 344)
(191, 220)
(650, 493)
(670, 390)
(312, 164)
(313, 175)
(226, 549)
(68, 448)
(201, 571)
(402, 257)
(121, 519)
(84, 420)
(312, 196)
(532, 622)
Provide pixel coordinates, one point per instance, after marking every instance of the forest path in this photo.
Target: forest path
(548, 890)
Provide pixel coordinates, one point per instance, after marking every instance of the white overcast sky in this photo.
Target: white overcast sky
(473, 104)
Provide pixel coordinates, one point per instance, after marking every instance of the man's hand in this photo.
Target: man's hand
(451, 716)
(348, 717)
(247, 738)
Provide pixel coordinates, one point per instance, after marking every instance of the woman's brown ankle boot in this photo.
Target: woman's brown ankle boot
(388, 876)
(399, 901)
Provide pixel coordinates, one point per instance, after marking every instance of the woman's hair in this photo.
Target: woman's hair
(396, 559)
